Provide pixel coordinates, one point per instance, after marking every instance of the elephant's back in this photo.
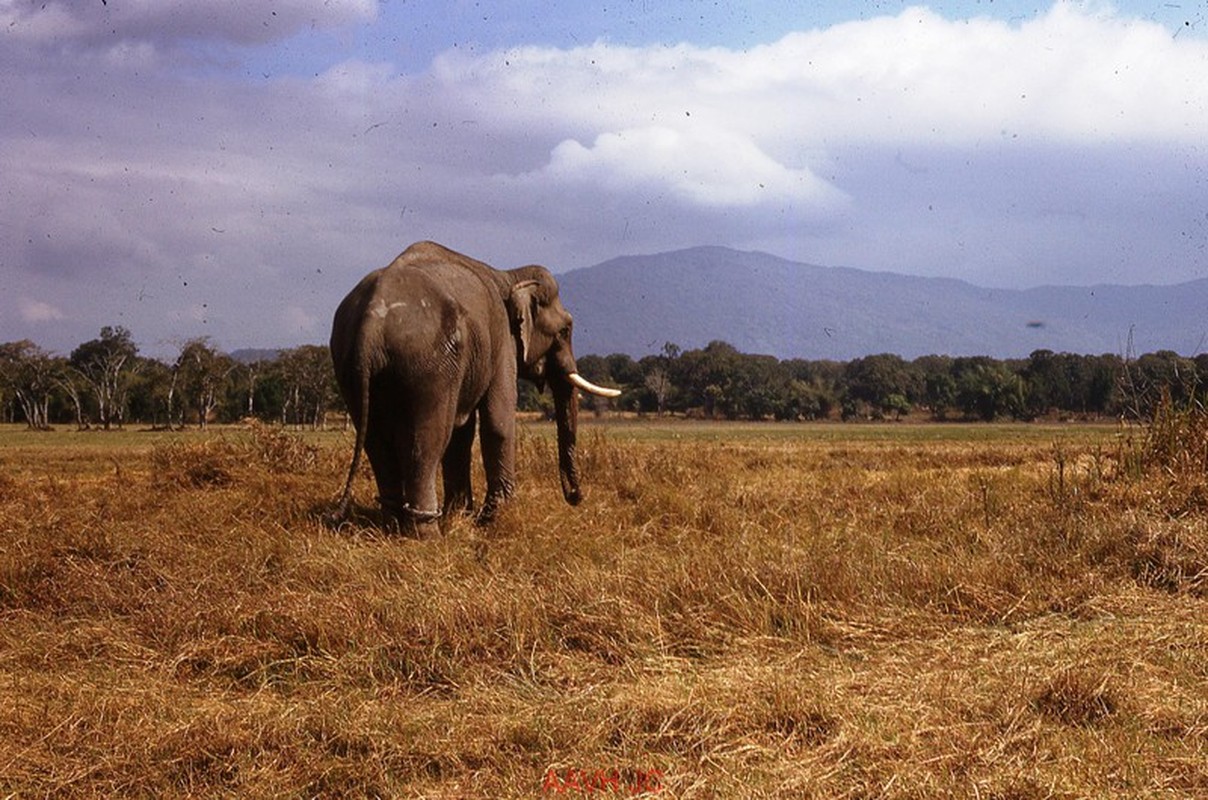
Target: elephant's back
(431, 317)
(430, 321)
(427, 296)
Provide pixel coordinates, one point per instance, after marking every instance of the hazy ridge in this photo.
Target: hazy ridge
(764, 304)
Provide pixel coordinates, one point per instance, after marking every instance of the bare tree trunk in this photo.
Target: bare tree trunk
(77, 401)
(35, 416)
(171, 394)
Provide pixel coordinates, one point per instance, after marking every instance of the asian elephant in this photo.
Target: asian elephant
(430, 346)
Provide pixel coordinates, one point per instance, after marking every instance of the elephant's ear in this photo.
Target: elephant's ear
(522, 308)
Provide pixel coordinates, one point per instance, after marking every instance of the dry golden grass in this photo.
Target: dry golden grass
(775, 611)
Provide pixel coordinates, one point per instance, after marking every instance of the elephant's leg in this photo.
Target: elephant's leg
(388, 473)
(499, 461)
(424, 450)
(455, 469)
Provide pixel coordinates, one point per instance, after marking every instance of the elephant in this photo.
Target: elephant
(429, 347)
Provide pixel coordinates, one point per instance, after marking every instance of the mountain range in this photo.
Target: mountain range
(763, 304)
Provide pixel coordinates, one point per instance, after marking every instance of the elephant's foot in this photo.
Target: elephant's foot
(490, 507)
(426, 529)
(484, 516)
(411, 521)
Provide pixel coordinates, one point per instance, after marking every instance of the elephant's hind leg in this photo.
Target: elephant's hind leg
(455, 469)
(422, 453)
(388, 473)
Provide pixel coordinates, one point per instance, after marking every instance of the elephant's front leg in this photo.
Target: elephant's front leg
(455, 469)
(499, 462)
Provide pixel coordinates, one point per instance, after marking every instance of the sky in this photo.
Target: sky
(231, 168)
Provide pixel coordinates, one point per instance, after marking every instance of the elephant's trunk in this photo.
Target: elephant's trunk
(566, 409)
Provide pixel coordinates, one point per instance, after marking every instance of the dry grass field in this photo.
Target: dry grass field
(742, 611)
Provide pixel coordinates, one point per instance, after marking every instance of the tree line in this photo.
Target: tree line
(106, 383)
(717, 381)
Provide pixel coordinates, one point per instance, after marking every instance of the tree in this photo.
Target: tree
(882, 382)
(814, 388)
(309, 382)
(624, 370)
(757, 387)
(29, 373)
(249, 375)
(1098, 383)
(153, 395)
(658, 382)
(805, 399)
(1048, 382)
(987, 389)
(201, 374)
(701, 377)
(897, 404)
(74, 387)
(656, 377)
(107, 364)
(937, 387)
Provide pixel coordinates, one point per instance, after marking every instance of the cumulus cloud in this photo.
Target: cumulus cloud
(711, 168)
(1068, 74)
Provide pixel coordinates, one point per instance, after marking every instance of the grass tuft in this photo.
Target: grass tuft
(1076, 697)
(193, 464)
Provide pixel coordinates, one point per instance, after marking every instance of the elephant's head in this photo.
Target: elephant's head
(542, 329)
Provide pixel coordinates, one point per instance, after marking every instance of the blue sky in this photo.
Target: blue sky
(190, 168)
(410, 33)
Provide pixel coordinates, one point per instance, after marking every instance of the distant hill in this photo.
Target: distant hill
(763, 304)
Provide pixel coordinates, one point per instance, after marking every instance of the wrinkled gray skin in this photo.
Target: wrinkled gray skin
(430, 346)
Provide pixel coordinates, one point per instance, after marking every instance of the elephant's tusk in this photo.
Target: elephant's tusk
(587, 386)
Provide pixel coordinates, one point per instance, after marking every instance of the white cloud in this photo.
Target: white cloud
(39, 311)
(710, 168)
(1068, 74)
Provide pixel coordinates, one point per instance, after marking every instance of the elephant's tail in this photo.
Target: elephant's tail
(361, 424)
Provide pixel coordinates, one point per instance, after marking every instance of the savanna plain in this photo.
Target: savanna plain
(734, 611)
